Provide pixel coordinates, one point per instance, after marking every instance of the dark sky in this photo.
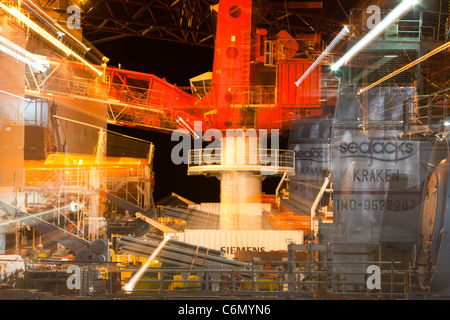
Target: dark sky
(173, 61)
(177, 63)
(170, 177)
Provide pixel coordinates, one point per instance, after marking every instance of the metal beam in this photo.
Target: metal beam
(195, 219)
(178, 253)
(132, 208)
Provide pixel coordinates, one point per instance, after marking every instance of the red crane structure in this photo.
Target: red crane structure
(252, 84)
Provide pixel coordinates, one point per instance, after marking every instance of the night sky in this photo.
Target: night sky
(177, 63)
(173, 61)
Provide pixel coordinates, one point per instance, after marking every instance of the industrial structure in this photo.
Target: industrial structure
(360, 89)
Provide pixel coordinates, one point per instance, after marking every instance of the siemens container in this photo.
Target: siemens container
(231, 241)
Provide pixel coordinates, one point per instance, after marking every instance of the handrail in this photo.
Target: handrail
(431, 113)
(425, 20)
(252, 282)
(316, 202)
(253, 156)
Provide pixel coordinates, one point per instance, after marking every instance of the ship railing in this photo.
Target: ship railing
(40, 186)
(427, 114)
(247, 159)
(68, 180)
(294, 48)
(91, 89)
(48, 177)
(262, 95)
(44, 185)
(120, 172)
(118, 178)
(254, 95)
(162, 119)
(434, 25)
(42, 177)
(126, 104)
(415, 25)
(309, 279)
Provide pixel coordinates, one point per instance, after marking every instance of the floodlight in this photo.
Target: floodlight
(393, 16)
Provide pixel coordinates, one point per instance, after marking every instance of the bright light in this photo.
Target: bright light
(129, 287)
(393, 16)
(14, 95)
(33, 215)
(73, 206)
(39, 66)
(29, 23)
(333, 43)
(62, 32)
(180, 120)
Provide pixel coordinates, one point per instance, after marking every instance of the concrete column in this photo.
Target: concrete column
(240, 199)
(240, 203)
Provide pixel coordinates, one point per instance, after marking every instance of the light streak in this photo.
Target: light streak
(33, 215)
(129, 287)
(14, 95)
(41, 64)
(23, 59)
(390, 18)
(331, 46)
(42, 32)
(180, 120)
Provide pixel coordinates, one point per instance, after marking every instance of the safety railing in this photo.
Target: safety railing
(44, 184)
(257, 95)
(132, 98)
(309, 280)
(428, 114)
(119, 178)
(84, 88)
(46, 178)
(254, 95)
(282, 49)
(251, 159)
(415, 25)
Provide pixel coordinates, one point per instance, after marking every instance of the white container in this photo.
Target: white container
(211, 207)
(214, 207)
(231, 241)
(236, 216)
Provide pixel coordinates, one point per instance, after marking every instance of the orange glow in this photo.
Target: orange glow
(58, 160)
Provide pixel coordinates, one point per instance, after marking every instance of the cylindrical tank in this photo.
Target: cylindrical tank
(240, 191)
(378, 175)
(239, 208)
(432, 249)
(377, 186)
